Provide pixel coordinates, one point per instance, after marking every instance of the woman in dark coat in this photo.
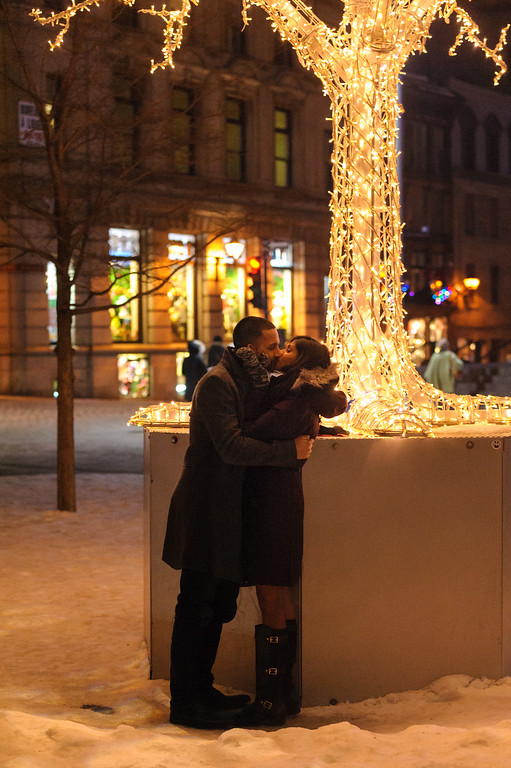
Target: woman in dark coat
(273, 509)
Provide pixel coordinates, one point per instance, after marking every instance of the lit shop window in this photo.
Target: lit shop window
(423, 333)
(125, 284)
(180, 379)
(233, 292)
(181, 293)
(30, 130)
(280, 288)
(133, 372)
(51, 292)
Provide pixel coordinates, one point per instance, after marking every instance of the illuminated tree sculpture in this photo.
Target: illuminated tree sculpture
(359, 64)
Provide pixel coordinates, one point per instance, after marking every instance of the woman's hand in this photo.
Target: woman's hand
(304, 445)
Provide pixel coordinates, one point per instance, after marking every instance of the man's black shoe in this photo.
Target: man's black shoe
(216, 700)
(195, 715)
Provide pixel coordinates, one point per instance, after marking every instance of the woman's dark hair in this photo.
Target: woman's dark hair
(311, 353)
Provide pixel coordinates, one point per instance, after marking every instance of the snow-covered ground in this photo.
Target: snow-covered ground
(74, 687)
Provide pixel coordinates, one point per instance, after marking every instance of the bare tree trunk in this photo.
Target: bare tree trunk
(66, 490)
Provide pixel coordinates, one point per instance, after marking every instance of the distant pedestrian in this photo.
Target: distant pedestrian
(443, 368)
(216, 351)
(194, 368)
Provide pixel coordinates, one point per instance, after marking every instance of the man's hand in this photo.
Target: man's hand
(303, 446)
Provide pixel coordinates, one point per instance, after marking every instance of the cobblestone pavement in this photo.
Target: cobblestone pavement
(103, 441)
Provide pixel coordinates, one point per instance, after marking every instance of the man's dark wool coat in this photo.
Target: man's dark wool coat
(204, 523)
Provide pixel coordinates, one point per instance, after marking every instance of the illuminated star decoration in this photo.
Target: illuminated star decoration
(359, 64)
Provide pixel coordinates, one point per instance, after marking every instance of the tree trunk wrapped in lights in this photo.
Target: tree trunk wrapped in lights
(359, 64)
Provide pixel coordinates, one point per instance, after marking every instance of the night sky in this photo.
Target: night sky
(469, 64)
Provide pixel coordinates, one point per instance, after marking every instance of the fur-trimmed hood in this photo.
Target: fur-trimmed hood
(317, 377)
(316, 385)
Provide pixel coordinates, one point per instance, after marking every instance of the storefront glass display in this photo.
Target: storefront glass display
(280, 288)
(232, 297)
(51, 292)
(280, 300)
(181, 293)
(423, 333)
(180, 379)
(133, 374)
(125, 279)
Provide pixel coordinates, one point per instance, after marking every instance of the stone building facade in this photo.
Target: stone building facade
(456, 193)
(230, 145)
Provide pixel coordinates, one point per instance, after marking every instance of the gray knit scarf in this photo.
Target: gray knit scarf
(256, 368)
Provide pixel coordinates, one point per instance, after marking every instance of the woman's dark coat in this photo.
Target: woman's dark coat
(273, 504)
(204, 523)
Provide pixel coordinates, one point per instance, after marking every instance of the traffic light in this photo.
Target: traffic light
(256, 293)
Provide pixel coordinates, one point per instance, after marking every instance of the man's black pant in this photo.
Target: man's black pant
(204, 605)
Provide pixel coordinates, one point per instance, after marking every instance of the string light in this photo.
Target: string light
(359, 64)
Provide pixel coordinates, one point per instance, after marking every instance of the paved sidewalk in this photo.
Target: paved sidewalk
(103, 441)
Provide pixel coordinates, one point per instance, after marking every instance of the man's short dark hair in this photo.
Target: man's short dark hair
(249, 329)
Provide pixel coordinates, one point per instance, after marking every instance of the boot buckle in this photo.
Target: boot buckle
(272, 671)
(273, 639)
(267, 704)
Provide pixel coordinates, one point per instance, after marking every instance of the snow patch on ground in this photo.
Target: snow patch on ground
(74, 687)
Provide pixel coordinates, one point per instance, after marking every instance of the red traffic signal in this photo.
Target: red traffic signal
(254, 265)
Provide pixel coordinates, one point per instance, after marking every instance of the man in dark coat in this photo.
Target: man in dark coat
(203, 536)
(193, 369)
(215, 352)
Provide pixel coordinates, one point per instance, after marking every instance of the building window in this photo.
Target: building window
(439, 161)
(235, 139)
(181, 287)
(133, 375)
(53, 85)
(282, 138)
(124, 284)
(124, 121)
(482, 217)
(426, 148)
(233, 294)
(280, 288)
(492, 131)
(468, 125)
(416, 143)
(51, 293)
(269, 274)
(183, 130)
(30, 129)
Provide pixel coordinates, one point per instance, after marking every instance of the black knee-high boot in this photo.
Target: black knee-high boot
(268, 707)
(291, 695)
